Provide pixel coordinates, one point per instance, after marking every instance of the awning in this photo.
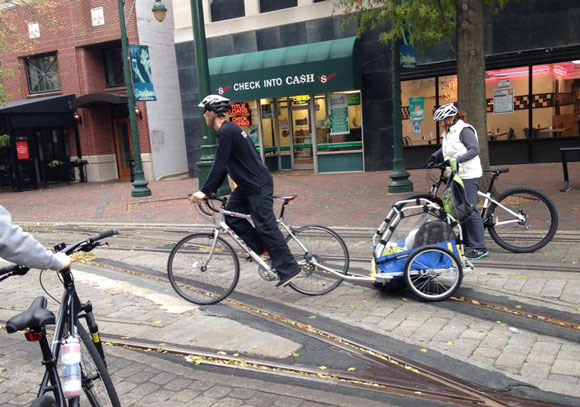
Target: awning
(36, 112)
(99, 99)
(319, 67)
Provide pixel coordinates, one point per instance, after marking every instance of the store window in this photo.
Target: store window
(268, 127)
(272, 5)
(344, 122)
(418, 100)
(42, 72)
(114, 74)
(245, 115)
(226, 9)
(283, 124)
(556, 105)
(506, 91)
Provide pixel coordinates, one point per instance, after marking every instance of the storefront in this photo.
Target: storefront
(301, 105)
(532, 110)
(36, 139)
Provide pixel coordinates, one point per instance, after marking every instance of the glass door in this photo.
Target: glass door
(301, 134)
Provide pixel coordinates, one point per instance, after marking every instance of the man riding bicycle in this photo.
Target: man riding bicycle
(236, 155)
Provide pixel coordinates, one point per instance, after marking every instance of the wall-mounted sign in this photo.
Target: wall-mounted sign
(339, 114)
(301, 122)
(302, 98)
(242, 121)
(22, 151)
(354, 99)
(503, 100)
(503, 83)
(239, 108)
(141, 67)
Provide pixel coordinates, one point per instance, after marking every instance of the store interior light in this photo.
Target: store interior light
(350, 91)
(577, 61)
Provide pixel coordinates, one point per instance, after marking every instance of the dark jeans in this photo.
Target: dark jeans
(265, 232)
(473, 232)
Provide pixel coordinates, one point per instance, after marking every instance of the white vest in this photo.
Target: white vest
(452, 147)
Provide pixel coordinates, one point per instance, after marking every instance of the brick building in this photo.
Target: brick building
(67, 96)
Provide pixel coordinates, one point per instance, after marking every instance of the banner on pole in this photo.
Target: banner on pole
(141, 68)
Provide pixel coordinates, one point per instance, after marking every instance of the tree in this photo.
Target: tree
(430, 22)
(11, 40)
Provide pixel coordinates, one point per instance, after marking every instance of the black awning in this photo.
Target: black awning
(50, 104)
(98, 99)
(51, 111)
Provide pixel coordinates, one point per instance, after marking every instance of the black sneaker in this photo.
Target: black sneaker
(287, 278)
(476, 254)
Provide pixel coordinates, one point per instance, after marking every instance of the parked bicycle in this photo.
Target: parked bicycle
(96, 384)
(203, 268)
(521, 219)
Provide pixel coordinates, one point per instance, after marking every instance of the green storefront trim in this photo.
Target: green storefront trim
(352, 144)
(340, 162)
(319, 67)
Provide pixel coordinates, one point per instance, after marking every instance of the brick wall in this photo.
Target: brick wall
(66, 28)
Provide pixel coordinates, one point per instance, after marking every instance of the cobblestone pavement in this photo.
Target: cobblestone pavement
(542, 359)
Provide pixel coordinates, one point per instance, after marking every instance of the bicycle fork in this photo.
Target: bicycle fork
(87, 307)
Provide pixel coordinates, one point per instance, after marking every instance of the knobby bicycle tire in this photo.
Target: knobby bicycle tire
(425, 276)
(93, 372)
(531, 241)
(197, 285)
(312, 280)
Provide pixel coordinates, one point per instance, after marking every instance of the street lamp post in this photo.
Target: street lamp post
(140, 188)
(208, 147)
(399, 175)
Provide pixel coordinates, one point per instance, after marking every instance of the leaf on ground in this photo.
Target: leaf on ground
(2, 369)
(354, 307)
(312, 316)
(196, 360)
(221, 352)
(295, 354)
(404, 299)
(518, 306)
(322, 367)
(125, 337)
(236, 355)
(157, 322)
(449, 344)
(162, 344)
(255, 346)
(351, 369)
(424, 350)
(521, 277)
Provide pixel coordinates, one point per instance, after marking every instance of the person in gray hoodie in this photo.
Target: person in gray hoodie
(21, 248)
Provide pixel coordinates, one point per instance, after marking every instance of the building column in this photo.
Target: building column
(252, 7)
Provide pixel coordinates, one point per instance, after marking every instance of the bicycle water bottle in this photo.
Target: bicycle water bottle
(70, 357)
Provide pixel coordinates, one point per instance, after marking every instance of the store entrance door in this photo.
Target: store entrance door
(301, 138)
(123, 147)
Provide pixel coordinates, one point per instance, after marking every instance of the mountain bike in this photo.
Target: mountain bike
(521, 219)
(204, 268)
(97, 387)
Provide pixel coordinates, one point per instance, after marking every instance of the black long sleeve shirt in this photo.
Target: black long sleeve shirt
(236, 155)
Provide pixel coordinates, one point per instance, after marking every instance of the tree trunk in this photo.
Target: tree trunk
(471, 71)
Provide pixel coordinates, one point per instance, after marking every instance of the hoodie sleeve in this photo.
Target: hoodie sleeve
(20, 247)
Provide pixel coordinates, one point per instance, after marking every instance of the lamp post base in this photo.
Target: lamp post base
(140, 188)
(400, 183)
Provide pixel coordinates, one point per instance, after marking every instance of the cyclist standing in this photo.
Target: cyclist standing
(236, 155)
(21, 248)
(460, 143)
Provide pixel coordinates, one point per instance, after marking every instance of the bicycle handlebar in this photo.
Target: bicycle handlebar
(86, 245)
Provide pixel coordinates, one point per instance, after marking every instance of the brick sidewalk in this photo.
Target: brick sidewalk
(355, 199)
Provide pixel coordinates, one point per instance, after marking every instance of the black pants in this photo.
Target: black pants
(265, 232)
(473, 231)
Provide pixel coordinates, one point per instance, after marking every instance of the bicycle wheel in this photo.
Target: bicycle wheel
(44, 401)
(201, 284)
(526, 236)
(98, 388)
(327, 248)
(433, 273)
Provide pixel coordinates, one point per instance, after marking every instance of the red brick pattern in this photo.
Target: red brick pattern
(66, 28)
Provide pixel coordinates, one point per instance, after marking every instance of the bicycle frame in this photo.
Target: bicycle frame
(69, 310)
(221, 224)
(486, 203)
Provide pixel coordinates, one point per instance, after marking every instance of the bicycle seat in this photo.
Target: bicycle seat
(285, 198)
(497, 172)
(35, 317)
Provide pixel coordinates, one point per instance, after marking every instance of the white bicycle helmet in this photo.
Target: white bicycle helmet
(445, 111)
(216, 103)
